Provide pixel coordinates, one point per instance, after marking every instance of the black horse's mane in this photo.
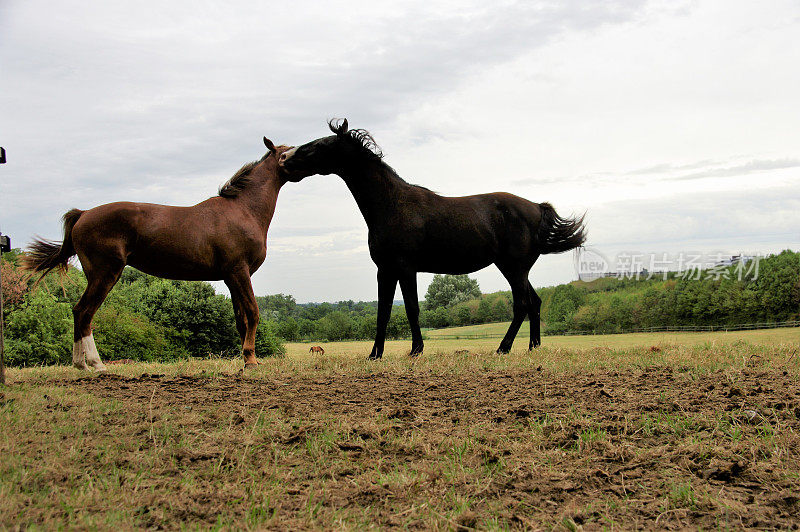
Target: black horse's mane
(240, 180)
(359, 137)
(367, 145)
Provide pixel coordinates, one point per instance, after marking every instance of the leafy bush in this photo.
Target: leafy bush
(122, 333)
(447, 290)
(39, 332)
(336, 326)
(398, 326)
(267, 343)
(202, 321)
(556, 327)
(286, 328)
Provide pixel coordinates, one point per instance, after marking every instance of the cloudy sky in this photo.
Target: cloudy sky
(674, 125)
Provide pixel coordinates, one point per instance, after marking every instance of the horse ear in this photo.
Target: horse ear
(268, 143)
(340, 128)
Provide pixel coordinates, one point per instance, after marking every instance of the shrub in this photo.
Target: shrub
(267, 343)
(39, 332)
(122, 333)
(336, 326)
(203, 321)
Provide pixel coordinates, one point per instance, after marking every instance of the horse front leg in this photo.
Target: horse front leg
(245, 309)
(387, 283)
(408, 285)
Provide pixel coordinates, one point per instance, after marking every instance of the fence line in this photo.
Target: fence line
(664, 328)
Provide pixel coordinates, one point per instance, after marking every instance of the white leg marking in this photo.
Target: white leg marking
(92, 356)
(78, 358)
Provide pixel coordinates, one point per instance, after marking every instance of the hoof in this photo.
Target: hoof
(374, 357)
(80, 365)
(414, 354)
(251, 362)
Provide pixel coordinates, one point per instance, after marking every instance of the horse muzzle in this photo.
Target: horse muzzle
(285, 156)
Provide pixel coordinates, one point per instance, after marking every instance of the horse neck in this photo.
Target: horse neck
(375, 187)
(261, 196)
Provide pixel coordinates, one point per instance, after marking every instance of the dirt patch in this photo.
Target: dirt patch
(638, 448)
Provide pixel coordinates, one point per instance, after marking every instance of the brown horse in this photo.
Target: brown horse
(222, 238)
(316, 349)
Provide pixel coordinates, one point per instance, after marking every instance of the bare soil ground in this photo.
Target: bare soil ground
(653, 447)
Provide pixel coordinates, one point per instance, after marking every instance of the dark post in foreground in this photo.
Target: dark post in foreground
(5, 245)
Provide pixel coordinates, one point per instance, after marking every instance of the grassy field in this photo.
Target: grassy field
(499, 329)
(435, 345)
(647, 431)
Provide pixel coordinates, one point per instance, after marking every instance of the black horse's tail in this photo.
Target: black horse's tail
(43, 256)
(557, 234)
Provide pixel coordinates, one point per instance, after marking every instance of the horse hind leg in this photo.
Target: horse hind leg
(534, 308)
(84, 350)
(85, 355)
(519, 291)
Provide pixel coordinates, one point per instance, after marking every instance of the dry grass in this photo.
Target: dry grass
(663, 434)
(780, 335)
(704, 351)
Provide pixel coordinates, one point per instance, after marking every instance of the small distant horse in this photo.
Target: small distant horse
(412, 229)
(316, 349)
(221, 238)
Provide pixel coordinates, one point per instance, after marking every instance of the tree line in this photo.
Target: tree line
(732, 295)
(148, 318)
(451, 300)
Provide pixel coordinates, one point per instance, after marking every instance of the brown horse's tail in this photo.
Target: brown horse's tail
(43, 256)
(557, 234)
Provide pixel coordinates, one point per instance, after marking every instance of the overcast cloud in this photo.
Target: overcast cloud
(553, 101)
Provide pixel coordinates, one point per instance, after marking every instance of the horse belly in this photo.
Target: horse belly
(455, 256)
(173, 267)
(454, 263)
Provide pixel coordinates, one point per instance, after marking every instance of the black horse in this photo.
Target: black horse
(412, 229)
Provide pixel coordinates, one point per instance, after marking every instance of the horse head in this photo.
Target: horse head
(331, 154)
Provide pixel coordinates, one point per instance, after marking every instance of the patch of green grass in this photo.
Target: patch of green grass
(681, 495)
(592, 435)
(676, 424)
